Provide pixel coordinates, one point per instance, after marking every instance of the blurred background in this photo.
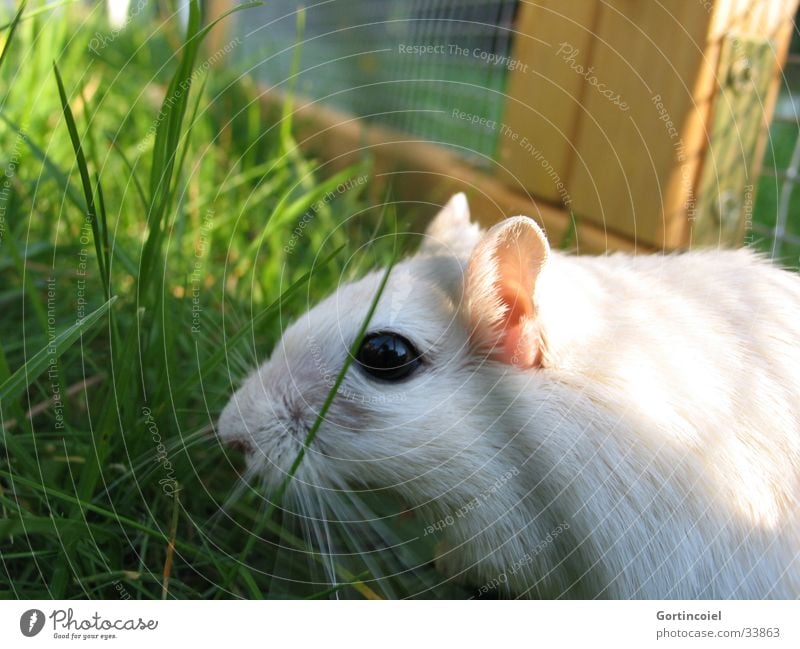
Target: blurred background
(663, 126)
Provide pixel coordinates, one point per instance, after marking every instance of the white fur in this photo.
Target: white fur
(663, 425)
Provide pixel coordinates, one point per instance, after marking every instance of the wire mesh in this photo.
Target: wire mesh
(776, 214)
(405, 65)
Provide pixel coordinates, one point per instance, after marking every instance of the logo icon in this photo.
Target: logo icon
(31, 622)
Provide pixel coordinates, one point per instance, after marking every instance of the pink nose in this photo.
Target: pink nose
(241, 445)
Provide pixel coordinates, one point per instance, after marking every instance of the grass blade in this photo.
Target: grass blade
(173, 530)
(88, 193)
(17, 383)
(36, 12)
(52, 169)
(312, 433)
(11, 31)
(221, 354)
(47, 526)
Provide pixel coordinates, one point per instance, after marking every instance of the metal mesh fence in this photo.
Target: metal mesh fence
(776, 214)
(405, 64)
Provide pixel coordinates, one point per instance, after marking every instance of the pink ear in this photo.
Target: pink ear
(500, 288)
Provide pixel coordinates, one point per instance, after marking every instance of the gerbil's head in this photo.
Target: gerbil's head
(413, 408)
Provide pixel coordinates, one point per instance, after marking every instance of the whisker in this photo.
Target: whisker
(234, 496)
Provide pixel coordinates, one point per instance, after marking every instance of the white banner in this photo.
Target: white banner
(234, 624)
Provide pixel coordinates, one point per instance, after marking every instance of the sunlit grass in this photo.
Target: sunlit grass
(150, 257)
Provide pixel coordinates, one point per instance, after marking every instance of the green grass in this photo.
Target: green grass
(770, 187)
(147, 262)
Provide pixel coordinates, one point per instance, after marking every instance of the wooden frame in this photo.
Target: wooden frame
(653, 169)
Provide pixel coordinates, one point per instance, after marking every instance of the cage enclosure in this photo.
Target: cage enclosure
(635, 125)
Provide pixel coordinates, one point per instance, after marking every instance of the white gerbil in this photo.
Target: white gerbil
(615, 427)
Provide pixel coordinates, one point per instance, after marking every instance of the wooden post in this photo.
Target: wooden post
(651, 115)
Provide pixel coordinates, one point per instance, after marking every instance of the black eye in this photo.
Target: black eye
(388, 356)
